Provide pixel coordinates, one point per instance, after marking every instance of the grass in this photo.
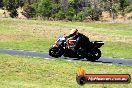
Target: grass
(6, 29)
(39, 35)
(28, 72)
(34, 45)
(108, 28)
(117, 50)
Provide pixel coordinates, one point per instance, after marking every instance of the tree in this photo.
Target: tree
(29, 11)
(70, 14)
(47, 8)
(111, 9)
(56, 1)
(123, 5)
(77, 5)
(5, 2)
(1, 3)
(93, 13)
(57, 11)
(11, 7)
(60, 15)
(13, 13)
(20, 3)
(81, 16)
(44, 8)
(64, 5)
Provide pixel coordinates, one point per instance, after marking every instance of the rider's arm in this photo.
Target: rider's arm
(69, 36)
(77, 44)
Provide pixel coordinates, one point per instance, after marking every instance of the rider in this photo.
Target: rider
(81, 40)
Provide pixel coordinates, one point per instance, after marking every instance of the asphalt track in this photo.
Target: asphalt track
(119, 61)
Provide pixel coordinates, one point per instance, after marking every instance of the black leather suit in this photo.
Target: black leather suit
(81, 41)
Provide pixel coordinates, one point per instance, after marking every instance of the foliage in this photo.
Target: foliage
(11, 7)
(129, 9)
(94, 14)
(1, 3)
(123, 5)
(60, 15)
(69, 10)
(81, 16)
(29, 11)
(44, 8)
(13, 13)
(56, 8)
(70, 14)
(20, 3)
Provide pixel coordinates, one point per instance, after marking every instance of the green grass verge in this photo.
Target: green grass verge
(34, 45)
(28, 72)
(6, 29)
(117, 50)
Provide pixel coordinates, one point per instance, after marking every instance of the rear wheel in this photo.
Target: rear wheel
(94, 55)
(55, 52)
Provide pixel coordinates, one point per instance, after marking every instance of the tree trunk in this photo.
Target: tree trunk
(112, 14)
(64, 4)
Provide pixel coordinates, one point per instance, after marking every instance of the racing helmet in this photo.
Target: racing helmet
(73, 31)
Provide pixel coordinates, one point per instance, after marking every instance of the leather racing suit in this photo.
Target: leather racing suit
(81, 42)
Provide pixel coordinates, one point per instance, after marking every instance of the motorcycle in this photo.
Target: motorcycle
(63, 46)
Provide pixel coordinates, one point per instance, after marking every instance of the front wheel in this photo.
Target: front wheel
(55, 52)
(94, 55)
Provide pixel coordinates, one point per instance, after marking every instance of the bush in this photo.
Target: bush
(11, 7)
(44, 8)
(48, 9)
(1, 3)
(129, 9)
(20, 3)
(13, 13)
(29, 11)
(81, 16)
(56, 8)
(60, 15)
(70, 14)
(94, 14)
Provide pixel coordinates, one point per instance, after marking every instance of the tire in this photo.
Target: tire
(94, 55)
(55, 52)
